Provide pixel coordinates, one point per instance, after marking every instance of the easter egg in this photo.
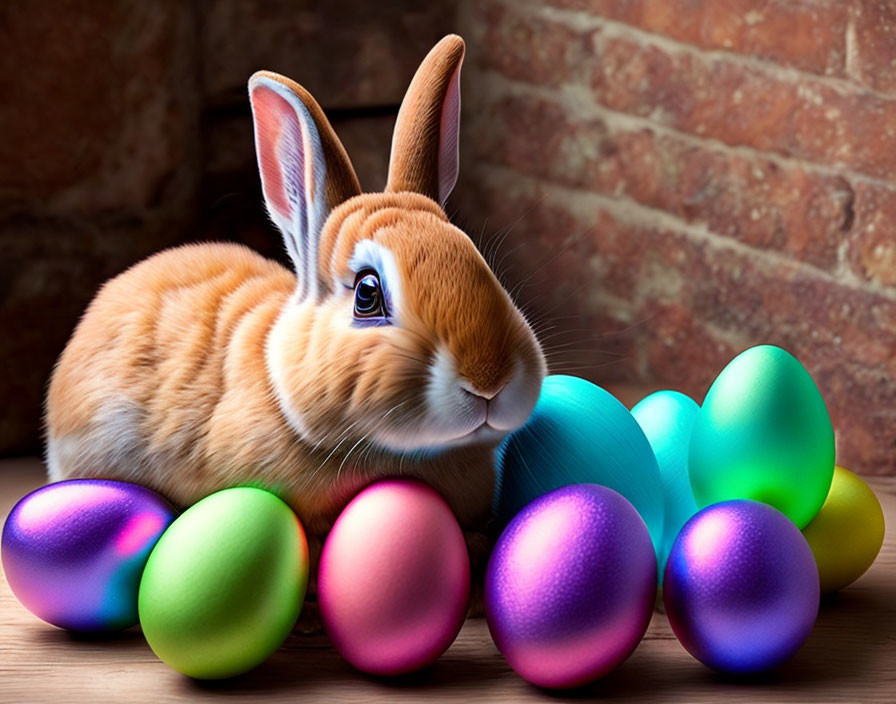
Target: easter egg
(394, 578)
(667, 418)
(763, 433)
(73, 551)
(570, 586)
(847, 533)
(741, 589)
(224, 585)
(579, 433)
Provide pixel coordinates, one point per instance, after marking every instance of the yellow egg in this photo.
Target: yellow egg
(847, 533)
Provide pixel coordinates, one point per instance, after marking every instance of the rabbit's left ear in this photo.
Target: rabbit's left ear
(305, 172)
(425, 143)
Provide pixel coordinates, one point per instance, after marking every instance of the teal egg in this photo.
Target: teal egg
(667, 418)
(579, 433)
(764, 433)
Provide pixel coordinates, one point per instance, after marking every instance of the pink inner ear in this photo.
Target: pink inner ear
(448, 137)
(272, 112)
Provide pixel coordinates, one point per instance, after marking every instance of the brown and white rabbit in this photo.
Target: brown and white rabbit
(392, 349)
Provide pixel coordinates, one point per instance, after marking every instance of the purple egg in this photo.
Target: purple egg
(570, 586)
(741, 587)
(73, 552)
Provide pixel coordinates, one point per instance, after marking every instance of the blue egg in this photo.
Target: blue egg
(579, 434)
(667, 418)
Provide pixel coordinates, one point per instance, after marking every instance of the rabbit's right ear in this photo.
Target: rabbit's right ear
(305, 172)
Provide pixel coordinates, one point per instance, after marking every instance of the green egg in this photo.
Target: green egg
(225, 583)
(763, 433)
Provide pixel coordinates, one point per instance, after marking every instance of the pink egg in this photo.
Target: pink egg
(394, 578)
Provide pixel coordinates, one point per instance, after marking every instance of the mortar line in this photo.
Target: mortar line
(631, 212)
(582, 20)
(586, 108)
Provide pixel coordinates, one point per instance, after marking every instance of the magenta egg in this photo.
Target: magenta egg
(741, 587)
(394, 578)
(570, 586)
(73, 552)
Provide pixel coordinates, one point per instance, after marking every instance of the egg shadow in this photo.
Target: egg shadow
(641, 677)
(302, 661)
(850, 639)
(310, 662)
(449, 672)
(850, 645)
(88, 647)
(50, 635)
(852, 642)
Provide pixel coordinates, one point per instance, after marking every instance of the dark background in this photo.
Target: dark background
(663, 183)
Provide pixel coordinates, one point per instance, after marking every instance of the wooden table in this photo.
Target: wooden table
(850, 656)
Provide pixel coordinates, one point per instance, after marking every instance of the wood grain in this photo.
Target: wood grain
(850, 656)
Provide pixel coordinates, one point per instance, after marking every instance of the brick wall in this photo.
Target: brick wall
(99, 166)
(660, 182)
(682, 179)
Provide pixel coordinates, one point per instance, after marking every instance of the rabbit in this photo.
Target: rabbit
(391, 350)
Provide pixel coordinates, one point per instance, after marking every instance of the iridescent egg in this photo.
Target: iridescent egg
(741, 588)
(667, 418)
(570, 586)
(394, 578)
(73, 552)
(763, 433)
(579, 434)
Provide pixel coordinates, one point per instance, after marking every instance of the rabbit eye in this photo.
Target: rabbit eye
(369, 295)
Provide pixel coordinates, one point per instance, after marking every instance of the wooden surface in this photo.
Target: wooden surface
(850, 656)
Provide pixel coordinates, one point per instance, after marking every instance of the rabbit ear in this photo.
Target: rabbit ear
(424, 145)
(305, 172)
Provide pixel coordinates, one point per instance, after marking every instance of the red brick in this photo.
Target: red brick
(755, 201)
(50, 268)
(98, 112)
(570, 255)
(873, 241)
(807, 35)
(821, 321)
(526, 47)
(873, 61)
(530, 136)
(844, 336)
(345, 54)
(861, 403)
(739, 105)
(682, 352)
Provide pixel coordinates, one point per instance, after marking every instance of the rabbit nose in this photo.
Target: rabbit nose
(487, 394)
